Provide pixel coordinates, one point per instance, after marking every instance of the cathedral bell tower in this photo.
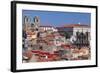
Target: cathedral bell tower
(27, 22)
(36, 22)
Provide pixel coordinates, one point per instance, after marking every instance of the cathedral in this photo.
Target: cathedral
(32, 24)
(30, 31)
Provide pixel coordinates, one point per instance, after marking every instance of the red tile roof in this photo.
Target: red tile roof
(66, 46)
(46, 26)
(43, 53)
(75, 25)
(50, 35)
(40, 52)
(72, 26)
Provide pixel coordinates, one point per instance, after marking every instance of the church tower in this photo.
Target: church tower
(27, 22)
(36, 22)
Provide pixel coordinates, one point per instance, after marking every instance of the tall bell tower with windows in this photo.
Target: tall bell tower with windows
(36, 20)
(27, 22)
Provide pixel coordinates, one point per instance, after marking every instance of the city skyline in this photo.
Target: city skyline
(54, 18)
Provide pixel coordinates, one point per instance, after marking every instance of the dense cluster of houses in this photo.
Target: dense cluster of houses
(48, 43)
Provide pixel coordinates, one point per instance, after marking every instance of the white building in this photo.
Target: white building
(48, 28)
(73, 29)
(81, 28)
